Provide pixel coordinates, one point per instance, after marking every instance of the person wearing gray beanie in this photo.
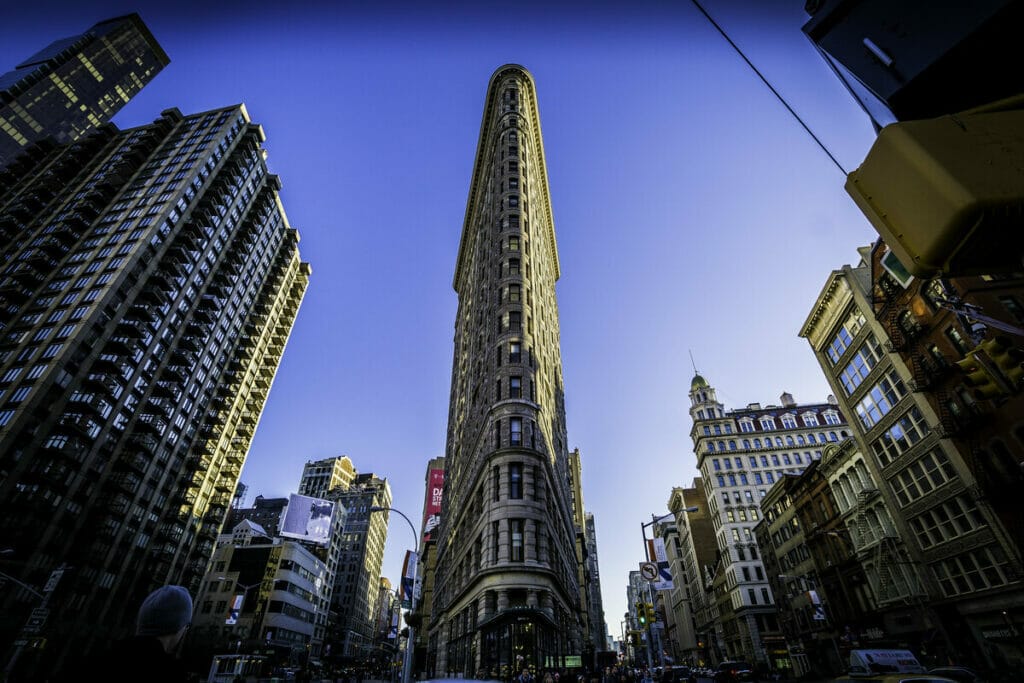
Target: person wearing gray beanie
(165, 612)
(151, 654)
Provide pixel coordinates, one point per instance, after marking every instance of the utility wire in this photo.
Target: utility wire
(774, 91)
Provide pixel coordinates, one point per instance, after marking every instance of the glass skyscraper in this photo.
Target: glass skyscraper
(76, 84)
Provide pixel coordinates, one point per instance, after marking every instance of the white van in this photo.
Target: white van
(866, 662)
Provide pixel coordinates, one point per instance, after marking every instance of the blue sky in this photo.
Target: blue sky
(693, 214)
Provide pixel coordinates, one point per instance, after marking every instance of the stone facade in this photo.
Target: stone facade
(506, 593)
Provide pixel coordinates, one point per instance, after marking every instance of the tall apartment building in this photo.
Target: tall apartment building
(149, 285)
(74, 85)
(694, 611)
(361, 556)
(506, 593)
(582, 568)
(426, 571)
(740, 454)
(595, 604)
(942, 455)
(322, 476)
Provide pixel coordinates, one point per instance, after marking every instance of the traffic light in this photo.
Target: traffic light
(641, 614)
(649, 612)
(940, 192)
(977, 374)
(1007, 359)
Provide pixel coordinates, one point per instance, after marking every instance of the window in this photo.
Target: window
(1013, 307)
(844, 336)
(516, 431)
(496, 482)
(880, 399)
(515, 529)
(716, 464)
(515, 480)
(951, 519)
(514, 352)
(514, 293)
(789, 422)
(515, 387)
(746, 425)
(767, 423)
(903, 434)
(922, 477)
(513, 266)
(972, 571)
(810, 419)
(861, 364)
(959, 343)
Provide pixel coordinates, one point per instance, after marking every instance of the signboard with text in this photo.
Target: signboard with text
(432, 509)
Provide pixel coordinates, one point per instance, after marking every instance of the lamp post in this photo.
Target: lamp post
(39, 614)
(411, 641)
(245, 594)
(650, 595)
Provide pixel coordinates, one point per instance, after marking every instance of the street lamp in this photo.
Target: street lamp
(410, 642)
(245, 594)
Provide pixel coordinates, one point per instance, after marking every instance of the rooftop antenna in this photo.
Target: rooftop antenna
(690, 351)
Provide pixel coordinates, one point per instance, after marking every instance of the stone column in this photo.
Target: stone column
(547, 604)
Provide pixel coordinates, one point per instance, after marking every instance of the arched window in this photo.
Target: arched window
(732, 445)
(757, 443)
(789, 441)
(778, 441)
(746, 443)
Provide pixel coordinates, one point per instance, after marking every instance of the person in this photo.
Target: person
(151, 655)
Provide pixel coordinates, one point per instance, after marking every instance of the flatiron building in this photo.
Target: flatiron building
(506, 594)
(150, 281)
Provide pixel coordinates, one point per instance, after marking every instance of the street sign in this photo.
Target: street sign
(51, 583)
(649, 571)
(36, 620)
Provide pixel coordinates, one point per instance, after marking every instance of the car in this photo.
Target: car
(680, 673)
(730, 671)
(961, 674)
(893, 678)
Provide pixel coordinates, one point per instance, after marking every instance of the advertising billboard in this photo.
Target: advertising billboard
(408, 579)
(308, 519)
(432, 510)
